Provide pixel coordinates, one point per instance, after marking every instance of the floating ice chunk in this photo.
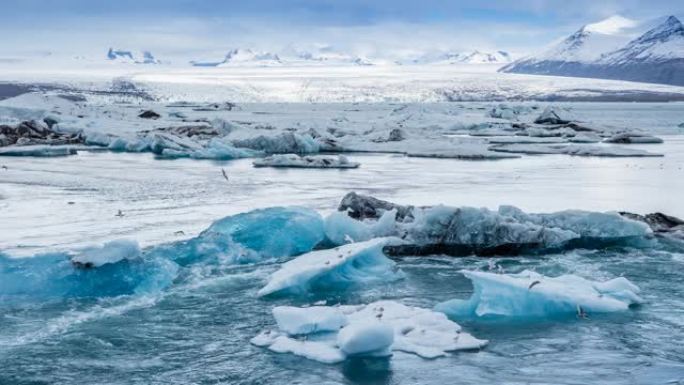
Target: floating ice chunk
(507, 112)
(374, 329)
(167, 142)
(341, 229)
(38, 151)
(366, 338)
(633, 138)
(297, 320)
(285, 143)
(96, 138)
(524, 140)
(273, 232)
(468, 230)
(553, 115)
(585, 137)
(53, 275)
(585, 224)
(464, 152)
(296, 161)
(343, 266)
(248, 237)
(323, 350)
(572, 149)
(110, 252)
(216, 149)
(531, 295)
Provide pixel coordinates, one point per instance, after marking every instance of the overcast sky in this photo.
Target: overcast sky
(208, 27)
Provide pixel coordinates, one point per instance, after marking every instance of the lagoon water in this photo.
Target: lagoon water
(197, 329)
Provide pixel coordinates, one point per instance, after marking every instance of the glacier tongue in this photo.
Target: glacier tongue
(532, 295)
(330, 334)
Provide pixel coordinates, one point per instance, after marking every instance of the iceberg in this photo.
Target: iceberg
(331, 334)
(340, 228)
(532, 295)
(463, 231)
(274, 232)
(572, 149)
(38, 150)
(284, 143)
(120, 267)
(55, 275)
(340, 267)
(296, 161)
(633, 138)
(215, 149)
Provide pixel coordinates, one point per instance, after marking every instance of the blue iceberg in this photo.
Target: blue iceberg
(532, 295)
(342, 267)
(56, 275)
(121, 268)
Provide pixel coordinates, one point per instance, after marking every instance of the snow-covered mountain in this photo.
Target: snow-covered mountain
(248, 57)
(122, 56)
(615, 48)
(243, 57)
(468, 57)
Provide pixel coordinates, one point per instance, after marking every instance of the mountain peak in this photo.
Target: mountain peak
(670, 27)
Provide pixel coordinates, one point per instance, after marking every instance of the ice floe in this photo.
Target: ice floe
(572, 149)
(468, 230)
(336, 268)
(296, 161)
(41, 150)
(331, 334)
(532, 295)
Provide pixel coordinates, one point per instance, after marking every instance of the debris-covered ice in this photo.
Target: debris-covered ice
(532, 295)
(469, 230)
(330, 334)
(572, 149)
(296, 161)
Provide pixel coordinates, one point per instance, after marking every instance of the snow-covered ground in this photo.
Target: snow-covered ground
(395, 83)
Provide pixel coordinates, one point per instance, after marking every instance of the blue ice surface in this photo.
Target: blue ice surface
(529, 295)
(54, 275)
(244, 238)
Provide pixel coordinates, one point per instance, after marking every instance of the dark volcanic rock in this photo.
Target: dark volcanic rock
(658, 222)
(364, 207)
(35, 132)
(149, 114)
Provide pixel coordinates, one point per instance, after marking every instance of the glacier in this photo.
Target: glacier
(331, 334)
(532, 295)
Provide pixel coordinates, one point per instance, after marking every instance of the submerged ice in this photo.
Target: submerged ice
(532, 295)
(331, 334)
